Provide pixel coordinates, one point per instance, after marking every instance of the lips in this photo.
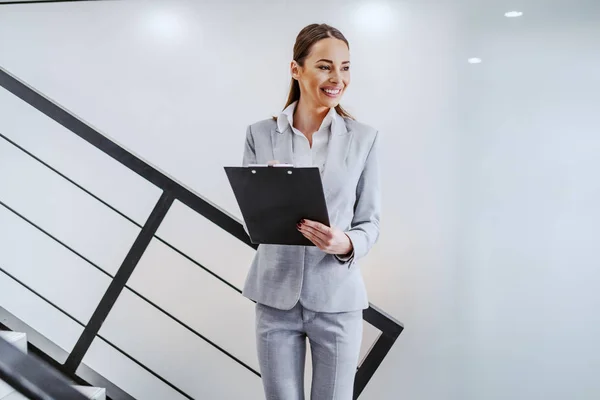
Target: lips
(332, 92)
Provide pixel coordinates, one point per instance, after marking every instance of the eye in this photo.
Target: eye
(323, 67)
(346, 68)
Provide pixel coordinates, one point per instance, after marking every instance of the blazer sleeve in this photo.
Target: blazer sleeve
(249, 150)
(248, 158)
(364, 229)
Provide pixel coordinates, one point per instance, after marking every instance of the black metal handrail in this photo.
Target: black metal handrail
(172, 190)
(32, 377)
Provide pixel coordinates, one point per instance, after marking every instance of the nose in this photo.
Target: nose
(335, 76)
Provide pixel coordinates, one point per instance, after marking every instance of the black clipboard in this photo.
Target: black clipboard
(273, 199)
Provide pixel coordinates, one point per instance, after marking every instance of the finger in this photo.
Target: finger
(322, 236)
(318, 226)
(315, 240)
(312, 239)
(273, 162)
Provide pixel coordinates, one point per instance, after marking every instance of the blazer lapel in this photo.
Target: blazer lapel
(337, 153)
(337, 157)
(282, 146)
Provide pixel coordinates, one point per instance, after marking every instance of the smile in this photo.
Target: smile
(332, 92)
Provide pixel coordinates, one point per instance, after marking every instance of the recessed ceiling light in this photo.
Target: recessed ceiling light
(475, 60)
(513, 14)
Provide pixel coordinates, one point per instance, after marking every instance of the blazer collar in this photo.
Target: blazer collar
(336, 122)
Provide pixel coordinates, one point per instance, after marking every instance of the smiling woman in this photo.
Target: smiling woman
(318, 53)
(316, 292)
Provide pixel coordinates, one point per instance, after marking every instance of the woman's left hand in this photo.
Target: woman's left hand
(330, 240)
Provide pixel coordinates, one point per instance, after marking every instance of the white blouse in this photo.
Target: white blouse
(305, 155)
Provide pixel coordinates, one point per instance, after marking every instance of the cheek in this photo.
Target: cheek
(317, 81)
(311, 82)
(347, 80)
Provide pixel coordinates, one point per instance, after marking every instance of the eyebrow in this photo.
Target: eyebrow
(331, 62)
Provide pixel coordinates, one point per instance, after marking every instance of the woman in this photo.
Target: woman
(316, 292)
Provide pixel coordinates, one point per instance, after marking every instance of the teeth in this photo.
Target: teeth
(337, 91)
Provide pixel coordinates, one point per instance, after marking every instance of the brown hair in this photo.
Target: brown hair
(307, 37)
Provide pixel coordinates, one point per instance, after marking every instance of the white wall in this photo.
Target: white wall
(177, 83)
(530, 141)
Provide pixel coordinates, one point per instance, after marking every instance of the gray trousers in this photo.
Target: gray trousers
(335, 340)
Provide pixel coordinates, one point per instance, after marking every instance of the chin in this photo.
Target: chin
(327, 101)
(331, 103)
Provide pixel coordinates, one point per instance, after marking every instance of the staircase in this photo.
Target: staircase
(19, 340)
(95, 310)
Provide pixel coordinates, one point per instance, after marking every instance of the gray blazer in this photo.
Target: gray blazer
(280, 275)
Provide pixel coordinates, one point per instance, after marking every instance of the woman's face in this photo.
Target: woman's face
(326, 73)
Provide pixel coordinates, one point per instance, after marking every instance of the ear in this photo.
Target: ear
(295, 69)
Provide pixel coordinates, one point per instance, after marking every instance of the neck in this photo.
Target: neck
(308, 118)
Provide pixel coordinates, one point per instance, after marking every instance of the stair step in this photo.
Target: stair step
(19, 340)
(13, 396)
(92, 393)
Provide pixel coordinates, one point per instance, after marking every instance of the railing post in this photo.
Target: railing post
(119, 281)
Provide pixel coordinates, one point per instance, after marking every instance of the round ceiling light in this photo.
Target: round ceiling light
(513, 14)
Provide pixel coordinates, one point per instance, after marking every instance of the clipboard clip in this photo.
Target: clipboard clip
(271, 165)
